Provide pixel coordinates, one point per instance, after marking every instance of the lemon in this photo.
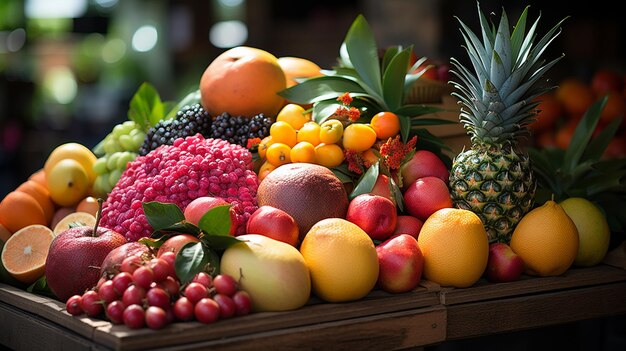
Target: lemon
(594, 233)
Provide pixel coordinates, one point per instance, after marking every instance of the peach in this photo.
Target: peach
(375, 214)
(243, 81)
(423, 164)
(274, 223)
(425, 196)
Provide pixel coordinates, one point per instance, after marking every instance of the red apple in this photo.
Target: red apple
(425, 196)
(113, 260)
(503, 264)
(375, 214)
(382, 187)
(199, 206)
(408, 225)
(75, 257)
(273, 223)
(176, 242)
(401, 263)
(423, 164)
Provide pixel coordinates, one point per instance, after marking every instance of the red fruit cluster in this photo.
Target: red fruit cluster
(190, 168)
(148, 293)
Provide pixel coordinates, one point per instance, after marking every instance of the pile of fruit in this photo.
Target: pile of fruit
(276, 181)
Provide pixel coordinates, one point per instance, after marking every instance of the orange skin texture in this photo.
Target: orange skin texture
(243, 81)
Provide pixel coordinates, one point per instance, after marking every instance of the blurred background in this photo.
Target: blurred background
(68, 68)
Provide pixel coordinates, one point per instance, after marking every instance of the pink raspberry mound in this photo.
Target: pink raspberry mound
(190, 168)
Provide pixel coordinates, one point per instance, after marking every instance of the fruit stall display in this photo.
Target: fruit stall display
(283, 195)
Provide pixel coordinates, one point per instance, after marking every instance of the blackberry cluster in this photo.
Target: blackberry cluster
(190, 120)
(237, 130)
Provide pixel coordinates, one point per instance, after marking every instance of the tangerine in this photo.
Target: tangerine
(283, 132)
(342, 260)
(278, 154)
(41, 194)
(39, 177)
(358, 137)
(295, 115)
(385, 124)
(24, 254)
(265, 169)
(331, 131)
(309, 132)
(263, 145)
(329, 155)
(19, 209)
(303, 152)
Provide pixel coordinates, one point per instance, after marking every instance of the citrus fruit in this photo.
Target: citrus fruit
(593, 229)
(297, 67)
(243, 81)
(575, 96)
(74, 219)
(358, 137)
(73, 151)
(293, 114)
(265, 143)
(385, 124)
(89, 205)
(24, 254)
(283, 132)
(41, 194)
(310, 132)
(272, 272)
(39, 177)
(549, 112)
(303, 152)
(19, 209)
(331, 131)
(265, 169)
(329, 155)
(455, 247)
(342, 260)
(308, 192)
(614, 108)
(68, 182)
(546, 239)
(278, 154)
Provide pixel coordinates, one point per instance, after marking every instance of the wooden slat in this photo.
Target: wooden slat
(525, 312)
(573, 278)
(376, 303)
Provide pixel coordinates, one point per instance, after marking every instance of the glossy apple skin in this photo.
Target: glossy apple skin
(375, 214)
(406, 224)
(503, 264)
(274, 223)
(199, 206)
(175, 243)
(401, 264)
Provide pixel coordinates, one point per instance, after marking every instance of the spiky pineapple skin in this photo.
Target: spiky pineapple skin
(497, 184)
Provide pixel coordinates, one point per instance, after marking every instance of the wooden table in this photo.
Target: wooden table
(426, 316)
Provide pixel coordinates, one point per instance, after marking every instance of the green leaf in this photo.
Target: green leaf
(40, 286)
(517, 38)
(219, 242)
(390, 53)
(393, 79)
(145, 106)
(598, 145)
(216, 221)
(154, 242)
(189, 99)
(161, 215)
(324, 109)
(363, 53)
(367, 181)
(397, 194)
(405, 127)
(183, 227)
(191, 260)
(320, 88)
(582, 135)
(417, 110)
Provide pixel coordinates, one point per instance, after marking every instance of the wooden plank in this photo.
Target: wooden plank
(21, 330)
(526, 312)
(316, 312)
(398, 330)
(573, 278)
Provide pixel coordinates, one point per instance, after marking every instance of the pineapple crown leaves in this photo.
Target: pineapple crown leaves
(580, 170)
(375, 85)
(496, 97)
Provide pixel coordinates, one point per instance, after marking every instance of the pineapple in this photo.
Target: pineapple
(494, 178)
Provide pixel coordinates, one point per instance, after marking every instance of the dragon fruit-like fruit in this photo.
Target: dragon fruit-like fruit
(190, 168)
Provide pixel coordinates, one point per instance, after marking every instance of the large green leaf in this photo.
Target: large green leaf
(598, 145)
(324, 109)
(146, 108)
(320, 88)
(417, 110)
(405, 127)
(582, 135)
(216, 221)
(390, 53)
(191, 260)
(393, 79)
(366, 182)
(162, 215)
(363, 53)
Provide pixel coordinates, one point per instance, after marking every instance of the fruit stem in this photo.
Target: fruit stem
(98, 216)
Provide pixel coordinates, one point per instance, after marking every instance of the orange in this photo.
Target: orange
(41, 194)
(358, 137)
(89, 205)
(546, 239)
(265, 143)
(18, 210)
(266, 168)
(278, 154)
(328, 155)
(549, 111)
(293, 114)
(5, 234)
(331, 131)
(296, 67)
(342, 260)
(455, 247)
(575, 96)
(74, 151)
(74, 219)
(243, 81)
(303, 152)
(564, 134)
(370, 156)
(39, 177)
(283, 132)
(614, 108)
(24, 254)
(309, 132)
(385, 124)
